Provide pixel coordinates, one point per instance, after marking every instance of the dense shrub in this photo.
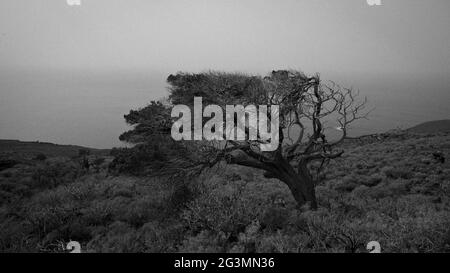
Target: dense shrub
(40, 157)
(136, 160)
(56, 171)
(397, 172)
(396, 199)
(275, 218)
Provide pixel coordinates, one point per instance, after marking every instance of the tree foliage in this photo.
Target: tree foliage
(306, 106)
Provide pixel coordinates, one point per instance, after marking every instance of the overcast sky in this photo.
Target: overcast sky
(345, 40)
(402, 36)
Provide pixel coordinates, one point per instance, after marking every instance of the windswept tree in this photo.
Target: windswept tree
(306, 106)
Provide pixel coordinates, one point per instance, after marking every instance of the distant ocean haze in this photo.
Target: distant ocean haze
(70, 108)
(85, 108)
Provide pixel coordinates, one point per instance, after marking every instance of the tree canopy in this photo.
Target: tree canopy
(305, 106)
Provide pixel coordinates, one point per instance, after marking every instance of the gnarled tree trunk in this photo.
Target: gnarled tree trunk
(300, 182)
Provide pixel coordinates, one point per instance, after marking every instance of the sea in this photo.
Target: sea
(87, 108)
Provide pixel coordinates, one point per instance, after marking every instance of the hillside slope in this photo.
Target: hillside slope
(394, 189)
(31, 149)
(432, 127)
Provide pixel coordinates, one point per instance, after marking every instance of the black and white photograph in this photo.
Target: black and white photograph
(232, 127)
